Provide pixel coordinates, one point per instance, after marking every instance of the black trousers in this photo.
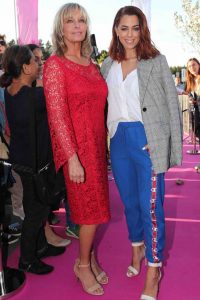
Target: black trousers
(195, 119)
(36, 213)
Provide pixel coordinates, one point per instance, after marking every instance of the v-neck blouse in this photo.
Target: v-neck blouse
(123, 98)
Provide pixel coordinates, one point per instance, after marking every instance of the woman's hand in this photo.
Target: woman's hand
(146, 147)
(39, 83)
(76, 171)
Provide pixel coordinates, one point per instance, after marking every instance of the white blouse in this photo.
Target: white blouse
(197, 87)
(123, 98)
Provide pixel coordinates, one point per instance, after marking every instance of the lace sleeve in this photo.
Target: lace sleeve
(61, 129)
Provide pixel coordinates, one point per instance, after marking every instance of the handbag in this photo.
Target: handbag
(43, 178)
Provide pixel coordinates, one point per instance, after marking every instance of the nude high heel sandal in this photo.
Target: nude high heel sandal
(101, 277)
(96, 289)
(132, 271)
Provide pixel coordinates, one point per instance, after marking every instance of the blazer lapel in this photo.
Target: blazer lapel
(144, 70)
(105, 68)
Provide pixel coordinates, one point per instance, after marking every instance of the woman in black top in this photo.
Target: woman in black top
(21, 70)
(17, 108)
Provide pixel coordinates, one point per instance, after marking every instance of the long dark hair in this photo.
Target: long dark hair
(190, 78)
(145, 48)
(13, 60)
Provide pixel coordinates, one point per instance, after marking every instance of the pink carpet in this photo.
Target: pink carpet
(181, 280)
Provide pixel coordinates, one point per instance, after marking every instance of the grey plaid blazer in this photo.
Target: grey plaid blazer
(160, 109)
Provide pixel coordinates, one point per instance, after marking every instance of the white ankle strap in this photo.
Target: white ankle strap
(155, 264)
(146, 297)
(137, 244)
(133, 270)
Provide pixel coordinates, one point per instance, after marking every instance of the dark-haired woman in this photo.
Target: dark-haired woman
(144, 123)
(21, 70)
(52, 238)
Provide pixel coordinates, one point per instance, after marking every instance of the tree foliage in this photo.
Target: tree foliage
(176, 69)
(189, 23)
(102, 56)
(11, 43)
(46, 49)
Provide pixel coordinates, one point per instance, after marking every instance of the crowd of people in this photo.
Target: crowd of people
(53, 130)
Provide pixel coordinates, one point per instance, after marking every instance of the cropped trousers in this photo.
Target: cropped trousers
(141, 190)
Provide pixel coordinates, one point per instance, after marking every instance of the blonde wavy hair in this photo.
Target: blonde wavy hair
(59, 47)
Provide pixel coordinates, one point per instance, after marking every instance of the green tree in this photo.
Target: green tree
(11, 43)
(189, 23)
(103, 54)
(46, 49)
(176, 69)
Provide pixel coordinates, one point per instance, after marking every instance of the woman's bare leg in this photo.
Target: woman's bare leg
(52, 237)
(152, 281)
(86, 238)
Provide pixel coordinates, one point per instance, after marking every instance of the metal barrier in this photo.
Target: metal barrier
(11, 280)
(184, 104)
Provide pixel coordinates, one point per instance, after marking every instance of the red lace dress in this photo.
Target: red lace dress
(75, 98)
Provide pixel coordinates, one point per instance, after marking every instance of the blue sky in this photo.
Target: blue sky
(163, 31)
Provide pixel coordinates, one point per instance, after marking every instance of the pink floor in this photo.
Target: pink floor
(181, 280)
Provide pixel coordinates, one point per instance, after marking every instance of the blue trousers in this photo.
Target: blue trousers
(141, 190)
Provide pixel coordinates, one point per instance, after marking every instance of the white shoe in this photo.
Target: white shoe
(132, 271)
(146, 297)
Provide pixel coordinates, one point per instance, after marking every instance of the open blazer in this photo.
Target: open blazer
(160, 109)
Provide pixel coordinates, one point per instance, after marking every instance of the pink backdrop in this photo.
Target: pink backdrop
(27, 18)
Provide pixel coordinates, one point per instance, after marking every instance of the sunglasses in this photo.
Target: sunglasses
(2, 43)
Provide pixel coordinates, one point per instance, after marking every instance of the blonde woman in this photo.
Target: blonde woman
(76, 96)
